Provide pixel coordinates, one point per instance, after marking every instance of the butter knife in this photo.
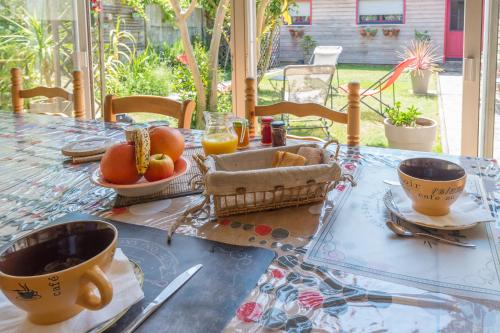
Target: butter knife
(162, 297)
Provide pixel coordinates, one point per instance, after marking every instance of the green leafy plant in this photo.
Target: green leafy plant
(308, 44)
(400, 118)
(28, 40)
(130, 72)
(422, 35)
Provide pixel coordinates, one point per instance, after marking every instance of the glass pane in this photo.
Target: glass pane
(142, 53)
(37, 37)
(496, 142)
(457, 15)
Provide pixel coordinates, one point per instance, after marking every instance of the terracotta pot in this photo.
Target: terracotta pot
(419, 138)
(420, 81)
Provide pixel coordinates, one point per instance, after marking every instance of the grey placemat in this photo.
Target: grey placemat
(180, 187)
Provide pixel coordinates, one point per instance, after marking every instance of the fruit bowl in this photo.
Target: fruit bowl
(142, 187)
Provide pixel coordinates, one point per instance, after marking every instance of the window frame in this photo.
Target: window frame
(310, 14)
(358, 21)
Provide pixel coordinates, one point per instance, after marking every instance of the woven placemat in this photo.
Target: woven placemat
(180, 187)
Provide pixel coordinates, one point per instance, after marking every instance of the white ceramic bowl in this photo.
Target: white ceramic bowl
(142, 187)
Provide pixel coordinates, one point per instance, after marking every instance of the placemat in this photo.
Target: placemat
(179, 187)
(209, 299)
(356, 240)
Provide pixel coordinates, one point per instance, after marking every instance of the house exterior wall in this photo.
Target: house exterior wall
(334, 23)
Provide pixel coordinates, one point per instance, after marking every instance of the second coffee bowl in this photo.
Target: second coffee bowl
(432, 184)
(52, 273)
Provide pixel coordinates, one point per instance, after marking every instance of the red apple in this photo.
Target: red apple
(160, 167)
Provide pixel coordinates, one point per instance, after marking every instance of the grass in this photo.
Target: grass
(372, 128)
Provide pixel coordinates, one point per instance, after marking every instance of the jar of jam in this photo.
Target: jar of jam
(278, 133)
(241, 129)
(265, 130)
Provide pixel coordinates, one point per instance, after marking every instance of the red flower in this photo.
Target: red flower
(182, 58)
(311, 299)
(340, 187)
(277, 274)
(349, 166)
(249, 312)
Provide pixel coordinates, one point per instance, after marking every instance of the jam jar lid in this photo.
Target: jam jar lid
(240, 123)
(278, 123)
(266, 120)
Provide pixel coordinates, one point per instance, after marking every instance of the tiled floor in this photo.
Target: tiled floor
(450, 110)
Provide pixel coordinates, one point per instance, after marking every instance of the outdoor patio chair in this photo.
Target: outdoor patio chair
(322, 55)
(151, 104)
(327, 55)
(308, 84)
(351, 118)
(375, 90)
(19, 94)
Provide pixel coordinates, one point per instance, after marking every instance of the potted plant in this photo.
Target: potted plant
(426, 57)
(391, 32)
(308, 44)
(368, 32)
(405, 129)
(296, 33)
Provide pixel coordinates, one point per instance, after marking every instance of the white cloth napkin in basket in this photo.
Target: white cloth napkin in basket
(126, 292)
(465, 211)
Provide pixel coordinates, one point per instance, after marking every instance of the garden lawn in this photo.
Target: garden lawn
(372, 127)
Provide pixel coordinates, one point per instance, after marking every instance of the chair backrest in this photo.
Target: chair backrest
(326, 55)
(391, 77)
(352, 118)
(19, 94)
(151, 104)
(307, 83)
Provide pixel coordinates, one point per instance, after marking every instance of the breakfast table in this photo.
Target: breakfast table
(346, 288)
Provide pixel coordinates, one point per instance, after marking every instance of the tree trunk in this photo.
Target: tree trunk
(213, 56)
(181, 18)
(260, 21)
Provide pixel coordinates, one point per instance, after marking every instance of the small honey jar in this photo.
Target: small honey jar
(241, 128)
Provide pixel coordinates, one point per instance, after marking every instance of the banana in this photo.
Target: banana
(142, 147)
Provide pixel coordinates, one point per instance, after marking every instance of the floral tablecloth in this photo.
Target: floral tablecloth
(38, 185)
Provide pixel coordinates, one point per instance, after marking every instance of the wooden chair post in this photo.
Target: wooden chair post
(188, 107)
(109, 116)
(78, 101)
(250, 105)
(353, 114)
(17, 86)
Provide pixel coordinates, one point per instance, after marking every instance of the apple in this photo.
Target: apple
(160, 167)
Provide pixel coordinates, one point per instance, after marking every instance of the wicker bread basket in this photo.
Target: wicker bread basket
(245, 182)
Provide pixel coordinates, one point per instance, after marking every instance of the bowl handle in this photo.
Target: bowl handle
(87, 299)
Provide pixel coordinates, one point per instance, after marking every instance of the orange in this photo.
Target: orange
(166, 140)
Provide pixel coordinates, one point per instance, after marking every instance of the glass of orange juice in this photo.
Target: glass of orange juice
(219, 136)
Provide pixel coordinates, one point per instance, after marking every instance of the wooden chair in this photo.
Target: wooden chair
(18, 94)
(352, 118)
(151, 104)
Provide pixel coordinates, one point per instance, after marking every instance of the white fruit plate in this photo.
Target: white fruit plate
(142, 187)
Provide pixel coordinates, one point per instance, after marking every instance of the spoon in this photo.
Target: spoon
(404, 232)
